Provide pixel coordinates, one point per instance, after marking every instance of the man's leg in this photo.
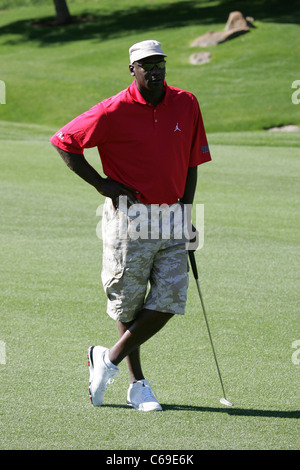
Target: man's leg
(147, 324)
(132, 335)
(133, 359)
(103, 368)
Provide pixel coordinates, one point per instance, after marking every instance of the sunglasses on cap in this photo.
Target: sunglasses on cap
(148, 66)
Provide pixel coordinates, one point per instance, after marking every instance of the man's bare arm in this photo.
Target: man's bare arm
(105, 186)
(190, 186)
(188, 198)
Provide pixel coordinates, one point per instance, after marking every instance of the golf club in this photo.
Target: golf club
(223, 400)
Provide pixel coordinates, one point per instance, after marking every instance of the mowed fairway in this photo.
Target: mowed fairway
(53, 307)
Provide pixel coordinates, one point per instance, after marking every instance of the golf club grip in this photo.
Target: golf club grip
(193, 264)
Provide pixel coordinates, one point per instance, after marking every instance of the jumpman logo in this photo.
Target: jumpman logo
(177, 128)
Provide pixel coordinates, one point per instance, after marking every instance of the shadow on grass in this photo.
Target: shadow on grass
(231, 411)
(236, 411)
(98, 25)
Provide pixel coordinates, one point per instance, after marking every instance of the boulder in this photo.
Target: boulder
(199, 58)
(212, 39)
(235, 26)
(288, 128)
(236, 20)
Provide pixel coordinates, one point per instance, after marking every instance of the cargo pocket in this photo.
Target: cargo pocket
(112, 273)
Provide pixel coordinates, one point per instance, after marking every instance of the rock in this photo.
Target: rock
(208, 39)
(289, 128)
(235, 26)
(236, 20)
(212, 39)
(199, 58)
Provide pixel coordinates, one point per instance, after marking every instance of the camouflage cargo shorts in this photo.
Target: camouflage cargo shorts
(141, 272)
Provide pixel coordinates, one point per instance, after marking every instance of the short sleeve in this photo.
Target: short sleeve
(85, 131)
(199, 152)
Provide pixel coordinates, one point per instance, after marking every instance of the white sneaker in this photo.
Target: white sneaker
(140, 397)
(100, 375)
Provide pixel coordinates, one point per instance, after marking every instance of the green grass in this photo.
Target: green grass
(52, 303)
(245, 87)
(53, 308)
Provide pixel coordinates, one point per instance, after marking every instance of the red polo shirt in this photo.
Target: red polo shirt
(144, 147)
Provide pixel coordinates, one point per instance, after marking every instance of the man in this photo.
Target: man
(151, 139)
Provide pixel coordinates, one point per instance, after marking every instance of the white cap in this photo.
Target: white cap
(143, 49)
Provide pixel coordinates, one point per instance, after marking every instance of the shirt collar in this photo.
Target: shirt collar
(136, 95)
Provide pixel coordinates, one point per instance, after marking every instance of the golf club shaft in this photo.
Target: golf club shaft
(195, 273)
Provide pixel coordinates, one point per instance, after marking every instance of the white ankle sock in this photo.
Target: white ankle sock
(108, 362)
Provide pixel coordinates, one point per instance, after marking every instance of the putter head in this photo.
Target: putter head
(226, 402)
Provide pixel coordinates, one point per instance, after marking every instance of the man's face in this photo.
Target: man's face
(149, 79)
